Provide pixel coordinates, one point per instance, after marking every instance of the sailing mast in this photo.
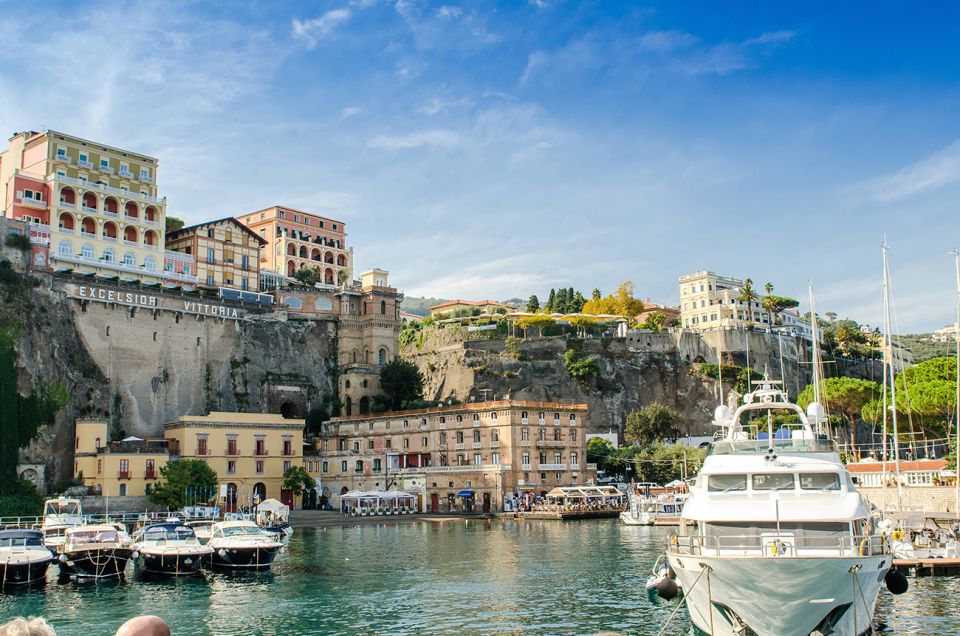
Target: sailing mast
(956, 410)
(892, 375)
(817, 361)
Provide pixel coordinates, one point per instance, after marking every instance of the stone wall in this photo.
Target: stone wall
(933, 499)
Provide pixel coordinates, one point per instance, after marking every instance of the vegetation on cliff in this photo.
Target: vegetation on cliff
(651, 424)
(401, 383)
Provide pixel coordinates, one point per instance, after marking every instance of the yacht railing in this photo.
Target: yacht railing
(761, 446)
(784, 545)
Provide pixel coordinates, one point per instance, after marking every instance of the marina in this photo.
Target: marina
(478, 576)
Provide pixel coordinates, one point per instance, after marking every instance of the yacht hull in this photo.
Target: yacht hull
(178, 562)
(24, 569)
(95, 563)
(245, 557)
(789, 596)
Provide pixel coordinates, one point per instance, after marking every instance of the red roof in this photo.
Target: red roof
(915, 466)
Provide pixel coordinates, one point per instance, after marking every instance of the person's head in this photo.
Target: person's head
(27, 627)
(144, 626)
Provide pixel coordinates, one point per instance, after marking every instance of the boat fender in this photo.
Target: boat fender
(222, 552)
(673, 539)
(865, 547)
(897, 583)
(63, 558)
(134, 555)
(667, 588)
(897, 536)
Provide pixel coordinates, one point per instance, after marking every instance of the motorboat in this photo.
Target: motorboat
(649, 509)
(242, 544)
(59, 514)
(919, 536)
(97, 551)
(170, 548)
(201, 529)
(775, 539)
(23, 557)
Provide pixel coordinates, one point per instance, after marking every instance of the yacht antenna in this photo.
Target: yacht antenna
(888, 355)
(956, 411)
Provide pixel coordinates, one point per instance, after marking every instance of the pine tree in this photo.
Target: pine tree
(578, 302)
(533, 304)
(550, 307)
(560, 305)
(596, 295)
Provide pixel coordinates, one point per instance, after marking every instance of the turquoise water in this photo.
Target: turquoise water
(459, 577)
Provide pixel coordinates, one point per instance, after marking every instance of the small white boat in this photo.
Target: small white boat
(171, 549)
(23, 558)
(95, 551)
(242, 545)
(59, 514)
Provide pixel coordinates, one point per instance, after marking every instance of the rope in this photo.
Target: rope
(708, 569)
(864, 601)
(663, 629)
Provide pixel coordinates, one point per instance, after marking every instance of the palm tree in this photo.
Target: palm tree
(747, 295)
(768, 287)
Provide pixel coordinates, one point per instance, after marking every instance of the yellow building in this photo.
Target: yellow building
(710, 301)
(102, 212)
(248, 451)
(122, 468)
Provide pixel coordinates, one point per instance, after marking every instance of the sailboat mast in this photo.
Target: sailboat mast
(892, 375)
(817, 362)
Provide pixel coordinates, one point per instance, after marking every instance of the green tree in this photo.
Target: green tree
(595, 295)
(533, 304)
(400, 381)
(846, 396)
(600, 452)
(297, 480)
(654, 321)
(550, 307)
(308, 275)
(172, 224)
(560, 304)
(749, 296)
(539, 321)
(20, 416)
(652, 423)
(178, 479)
(664, 463)
(581, 368)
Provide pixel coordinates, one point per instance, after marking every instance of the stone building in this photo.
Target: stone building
(457, 458)
(226, 253)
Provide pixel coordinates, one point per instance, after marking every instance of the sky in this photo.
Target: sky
(496, 150)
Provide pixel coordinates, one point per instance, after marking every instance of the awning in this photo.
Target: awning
(465, 493)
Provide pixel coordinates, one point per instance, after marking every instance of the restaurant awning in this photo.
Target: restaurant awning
(465, 493)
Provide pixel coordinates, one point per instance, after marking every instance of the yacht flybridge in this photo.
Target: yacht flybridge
(774, 538)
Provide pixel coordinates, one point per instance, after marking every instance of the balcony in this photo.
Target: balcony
(524, 420)
(67, 205)
(106, 169)
(32, 203)
(591, 466)
(64, 158)
(146, 178)
(126, 174)
(67, 230)
(87, 208)
(551, 443)
(103, 187)
(150, 222)
(96, 262)
(476, 444)
(149, 474)
(495, 444)
(261, 452)
(83, 163)
(89, 235)
(556, 422)
(131, 219)
(111, 239)
(233, 452)
(201, 452)
(525, 467)
(458, 446)
(552, 467)
(123, 474)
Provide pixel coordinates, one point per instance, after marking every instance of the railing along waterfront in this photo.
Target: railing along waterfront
(784, 545)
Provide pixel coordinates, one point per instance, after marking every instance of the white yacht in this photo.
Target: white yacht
(242, 545)
(774, 538)
(59, 514)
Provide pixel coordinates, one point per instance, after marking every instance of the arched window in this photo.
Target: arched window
(96, 443)
(87, 251)
(150, 263)
(129, 259)
(382, 356)
(346, 384)
(65, 248)
(383, 306)
(109, 256)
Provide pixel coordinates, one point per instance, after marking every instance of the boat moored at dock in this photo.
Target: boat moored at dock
(95, 551)
(59, 514)
(242, 545)
(171, 549)
(23, 558)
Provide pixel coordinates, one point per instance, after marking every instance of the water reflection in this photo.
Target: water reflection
(464, 576)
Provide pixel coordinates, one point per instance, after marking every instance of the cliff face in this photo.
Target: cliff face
(139, 368)
(641, 368)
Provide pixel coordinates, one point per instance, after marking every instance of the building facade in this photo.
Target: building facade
(367, 334)
(297, 239)
(97, 206)
(249, 452)
(116, 469)
(480, 306)
(226, 253)
(463, 458)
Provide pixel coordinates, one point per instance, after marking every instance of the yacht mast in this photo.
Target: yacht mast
(817, 361)
(956, 411)
(892, 375)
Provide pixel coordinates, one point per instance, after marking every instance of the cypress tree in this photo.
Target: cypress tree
(551, 302)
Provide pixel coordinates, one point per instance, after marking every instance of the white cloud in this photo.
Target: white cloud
(316, 29)
(437, 105)
(350, 111)
(722, 59)
(422, 139)
(772, 37)
(449, 12)
(665, 41)
(535, 61)
(936, 171)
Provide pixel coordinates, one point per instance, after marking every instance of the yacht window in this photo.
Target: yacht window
(726, 483)
(819, 481)
(773, 481)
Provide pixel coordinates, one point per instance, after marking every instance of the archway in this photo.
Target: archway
(66, 222)
(288, 410)
(111, 206)
(348, 409)
(303, 252)
(231, 502)
(259, 492)
(364, 405)
(131, 210)
(291, 268)
(89, 202)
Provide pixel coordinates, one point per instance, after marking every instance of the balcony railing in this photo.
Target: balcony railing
(551, 443)
(476, 444)
(201, 452)
(83, 163)
(525, 467)
(552, 467)
(146, 179)
(591, 466)
(149, 474)
(87, 208)
(110, 189)
(66, 205)
(151, 222)
(123, 474)
(261, 452)
(64, 158)
(96, 262)
(106, 169)
(112, 215)
(233, 452)
(66, 230)
(90, 235)
(32, 203)
(130, 243)
(126, 173)
(495, 444)
(459, 446)
(112, 239)
(131, 219)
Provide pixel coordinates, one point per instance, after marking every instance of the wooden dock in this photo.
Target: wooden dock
(928, 567)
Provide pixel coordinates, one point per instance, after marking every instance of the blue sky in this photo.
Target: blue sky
(500, 149)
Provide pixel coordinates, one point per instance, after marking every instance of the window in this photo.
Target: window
(525, 459)
(325, 466)
(286, 466)
(104, 163)
(388, 443)
(558, 458)
(406, 424)
(423, 441)
(259, 466)
(356, 446)
(201, 445)
(573, 435)
(494, 435)
(726, 483)
(477, 459)
(343, 464)
(260, 446)
(211, 255)
(443, 437)
(459, 437)
(96, 443)
(109, 256)
(125, 467)
(819, 481)
(231, 467)
(210, 280)
(288, 446)
(773, 481)
(573, 419)
(460, 459)
(61, 152)
(556, 435)
(524, 435)
(150, 263)
(476, 437)
(495, 458)
(377, 465)
(406, 442)
(231, 446)
(573, 460)
(476, 419)
(370, 444)
(459, 419)
(129, 259)
(65, 248)
(543, 458)
(541, 435)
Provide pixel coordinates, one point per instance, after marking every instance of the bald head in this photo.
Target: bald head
(144, 626)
